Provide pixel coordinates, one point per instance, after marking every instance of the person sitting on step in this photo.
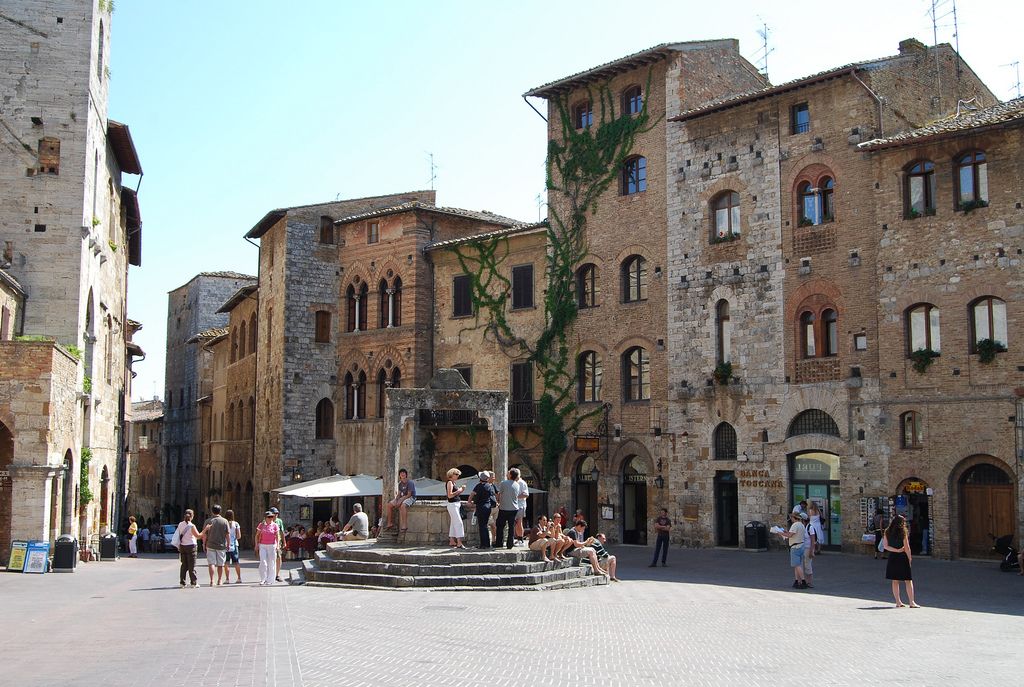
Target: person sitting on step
(583, 546)
(540, 540)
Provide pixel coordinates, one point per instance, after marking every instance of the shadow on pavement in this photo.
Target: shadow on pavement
(977, 586)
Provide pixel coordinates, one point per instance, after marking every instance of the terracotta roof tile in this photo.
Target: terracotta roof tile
(507, 231)
(967, 120)
(479, 215)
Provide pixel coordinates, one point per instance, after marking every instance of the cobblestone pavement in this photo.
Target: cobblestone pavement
(711, 618)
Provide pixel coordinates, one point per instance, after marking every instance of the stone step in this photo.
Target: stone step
(315, 575)
(586, 581)
(427, 555)
(469, 564)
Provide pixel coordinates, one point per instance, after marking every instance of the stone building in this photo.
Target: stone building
(145, 431)
(68, 232)
(777, 261)
(192, 308)
(624, 281)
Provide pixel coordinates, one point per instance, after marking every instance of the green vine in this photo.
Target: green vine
(582, 164)
(922, 359)
(85, 493)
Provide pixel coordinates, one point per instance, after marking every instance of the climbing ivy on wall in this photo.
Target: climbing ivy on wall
(582, 164)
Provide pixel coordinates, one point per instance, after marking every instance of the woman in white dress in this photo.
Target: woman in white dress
(817, 522)
(456, 529)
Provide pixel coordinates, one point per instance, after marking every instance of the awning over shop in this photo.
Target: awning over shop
(438, 488)
(338, 486)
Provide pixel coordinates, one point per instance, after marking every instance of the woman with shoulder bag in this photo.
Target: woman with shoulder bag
(456, 529)
(188, 537)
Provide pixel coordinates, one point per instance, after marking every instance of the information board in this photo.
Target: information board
(17, 559)
(38, 557)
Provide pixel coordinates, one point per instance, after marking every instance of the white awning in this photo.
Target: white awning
(469, 482)
(338, 486)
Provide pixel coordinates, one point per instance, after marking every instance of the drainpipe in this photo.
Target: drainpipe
(534, 109)
(881, 126)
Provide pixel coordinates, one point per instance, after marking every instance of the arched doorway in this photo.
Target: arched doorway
(585, 490)
(68, 492)
(6, 459)
(915, 504)
(986, 508)
(634, 501)
(727, 509)
(814, 476)
(105, 499)
(469, 471)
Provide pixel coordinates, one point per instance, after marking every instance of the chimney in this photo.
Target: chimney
(910, 46)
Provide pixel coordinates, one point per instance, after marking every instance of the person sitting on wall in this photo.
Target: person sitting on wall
(583, 545)
(563, 542)
(539, 539)
(403, 501)
(358, 526)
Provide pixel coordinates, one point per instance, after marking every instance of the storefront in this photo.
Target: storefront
(814, 476)
(914, 502)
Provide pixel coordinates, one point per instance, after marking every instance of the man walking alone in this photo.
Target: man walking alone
(216, 534)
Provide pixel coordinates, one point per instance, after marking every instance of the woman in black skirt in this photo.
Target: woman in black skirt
(897, 543)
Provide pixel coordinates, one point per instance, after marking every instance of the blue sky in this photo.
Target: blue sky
(238, 107)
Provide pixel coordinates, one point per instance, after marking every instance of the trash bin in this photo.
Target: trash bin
(65, 554)
(108, 547)
(755, 536)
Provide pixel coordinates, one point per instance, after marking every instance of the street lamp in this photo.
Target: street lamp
(595, 473)
(659, 482)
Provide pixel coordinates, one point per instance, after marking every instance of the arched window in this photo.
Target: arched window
(252, 333)
(634, 279)
(243, 338)
(586, 286)
(723, 332)
(325, 419)
(231, 422)
(988, 321)
(351, 396)
(355, 301)
(726, 213)
(251, 427)
(807, 334)
(972, 180)
(632, 100)
(234, 344)
(361, 397)
(583, 115)
(817, 204)
(588, 373)
(382, 385)
(326, 230)
(634, 175)
(830, 332)
(636, 375)
(396, 302)
(922, 323)
(383, 303)
(396, 378)
(911, 430)
(813, 421)
(724, 442)
(240, 421)
(919, 192)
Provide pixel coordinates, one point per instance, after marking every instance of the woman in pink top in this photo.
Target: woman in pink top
(266, 548)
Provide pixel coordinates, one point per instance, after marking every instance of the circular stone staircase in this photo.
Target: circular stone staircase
(369, 565)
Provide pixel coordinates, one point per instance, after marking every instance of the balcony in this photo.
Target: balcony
(522, 412)
(451, 418)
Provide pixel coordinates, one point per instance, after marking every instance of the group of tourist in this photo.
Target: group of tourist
(220, 535)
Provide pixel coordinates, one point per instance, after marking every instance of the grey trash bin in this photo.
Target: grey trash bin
(65, 554)
(755, 536)
(108, 547)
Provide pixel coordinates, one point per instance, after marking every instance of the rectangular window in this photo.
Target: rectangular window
(522, 286)
(462, 303)
(323, 326)
(372, 232)
(800, 119)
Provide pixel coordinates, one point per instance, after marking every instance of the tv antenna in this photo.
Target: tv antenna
(1016, 84)
(761, 57)
(433, 170)
(540, 206)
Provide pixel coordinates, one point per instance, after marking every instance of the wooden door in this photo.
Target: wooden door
(987, 511)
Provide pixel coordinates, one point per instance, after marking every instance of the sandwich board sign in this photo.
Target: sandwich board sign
(38, 557)
(16, 562)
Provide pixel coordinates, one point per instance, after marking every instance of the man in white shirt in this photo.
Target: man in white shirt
(358, 526)
(524, 492)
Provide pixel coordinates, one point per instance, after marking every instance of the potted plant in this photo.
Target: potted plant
(922, 359)
(987, 349)
(722, 373)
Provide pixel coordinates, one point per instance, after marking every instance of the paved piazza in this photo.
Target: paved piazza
(710, 618)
